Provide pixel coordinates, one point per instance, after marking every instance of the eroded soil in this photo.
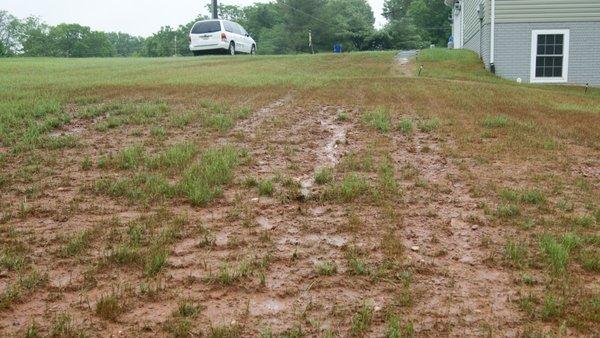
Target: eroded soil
(423, 253)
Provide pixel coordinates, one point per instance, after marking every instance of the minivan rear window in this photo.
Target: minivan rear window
(206, 27)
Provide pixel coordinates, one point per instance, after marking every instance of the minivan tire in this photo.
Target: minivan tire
(197, 53)
(232, 48)
(253, 50)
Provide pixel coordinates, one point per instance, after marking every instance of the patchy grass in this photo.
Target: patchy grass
(110, 307)
(324, 176)
(380, 119)
(428, 125)
(498, 121)
(405, 126)
(361, 321)
(326, 268)
(106, 144)
(265, 188)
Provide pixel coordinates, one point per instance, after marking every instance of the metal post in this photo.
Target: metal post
(310, 44)
(215, 10)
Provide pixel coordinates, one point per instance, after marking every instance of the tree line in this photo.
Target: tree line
(279, 27)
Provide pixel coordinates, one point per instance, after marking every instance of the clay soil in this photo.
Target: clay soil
(369, 229)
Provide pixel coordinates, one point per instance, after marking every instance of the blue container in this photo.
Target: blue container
(337, 48)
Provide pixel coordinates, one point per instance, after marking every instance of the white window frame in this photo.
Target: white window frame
(565, 68)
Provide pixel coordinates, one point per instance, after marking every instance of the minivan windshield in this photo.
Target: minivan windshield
(206, 27)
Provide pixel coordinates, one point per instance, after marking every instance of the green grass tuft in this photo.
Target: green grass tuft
(379, 119)
(405, 126)
(324, 176)
(498, 121)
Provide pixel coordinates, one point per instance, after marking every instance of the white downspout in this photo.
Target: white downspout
(492, 36)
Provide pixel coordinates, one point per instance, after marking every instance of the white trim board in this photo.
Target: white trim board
(565, 72)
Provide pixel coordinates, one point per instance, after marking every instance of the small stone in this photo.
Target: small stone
(474, 227)
(415, 248)
(255, 199)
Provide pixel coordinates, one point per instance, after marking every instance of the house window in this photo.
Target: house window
(549, 55)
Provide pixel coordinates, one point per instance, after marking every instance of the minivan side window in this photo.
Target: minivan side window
(236, 28)
(242, 30)
(203, 27)
(229, 26)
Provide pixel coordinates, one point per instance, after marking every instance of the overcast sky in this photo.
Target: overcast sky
(137, 17)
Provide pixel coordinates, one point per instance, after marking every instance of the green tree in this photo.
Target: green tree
(9, 33)
(125, 44)
(350, 22)
(396, 9)
(417, 23)
(300, 16)
(432, 18)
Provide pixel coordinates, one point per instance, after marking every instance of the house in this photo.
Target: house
(537, 41)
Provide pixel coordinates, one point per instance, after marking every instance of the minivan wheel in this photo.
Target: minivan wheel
(232, 48)
(197, 53)
(253, 50)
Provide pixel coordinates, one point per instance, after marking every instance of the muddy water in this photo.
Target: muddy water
(330, 148)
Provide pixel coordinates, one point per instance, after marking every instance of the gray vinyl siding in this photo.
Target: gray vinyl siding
(513, 50)
(471, 19)
(547, 10)
(473, 44)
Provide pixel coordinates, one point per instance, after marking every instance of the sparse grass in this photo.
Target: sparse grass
(327, 268)
(265, 188)
(397, 330)
(25, 284)
(508, 211)
(556, 253)
(187, 309)
(351, 187)
(225, 331)
(155, 261)
(342, 117)
(175, 158)
(229, 276)
(516, 253)
(87, 163)
(202, 182)
(498, 121)
(387, 186)
(532, 196)
(124, 254)
(548, 140)
(63, 327)
(130, 158)
(361, 321)
(142, 188)
(324, 176)
(552, 308)
(110, 307)
(429, 124)
(405, 126)
(379, 119)
(76, 244)
(158, 132)
(59, 142)
(221, 117)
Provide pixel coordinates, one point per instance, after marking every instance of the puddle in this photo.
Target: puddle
(268, 306)
(264, 223)
(330, 154)
(75, 130)
(335, 240)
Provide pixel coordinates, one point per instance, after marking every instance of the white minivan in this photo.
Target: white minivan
(219, 36)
